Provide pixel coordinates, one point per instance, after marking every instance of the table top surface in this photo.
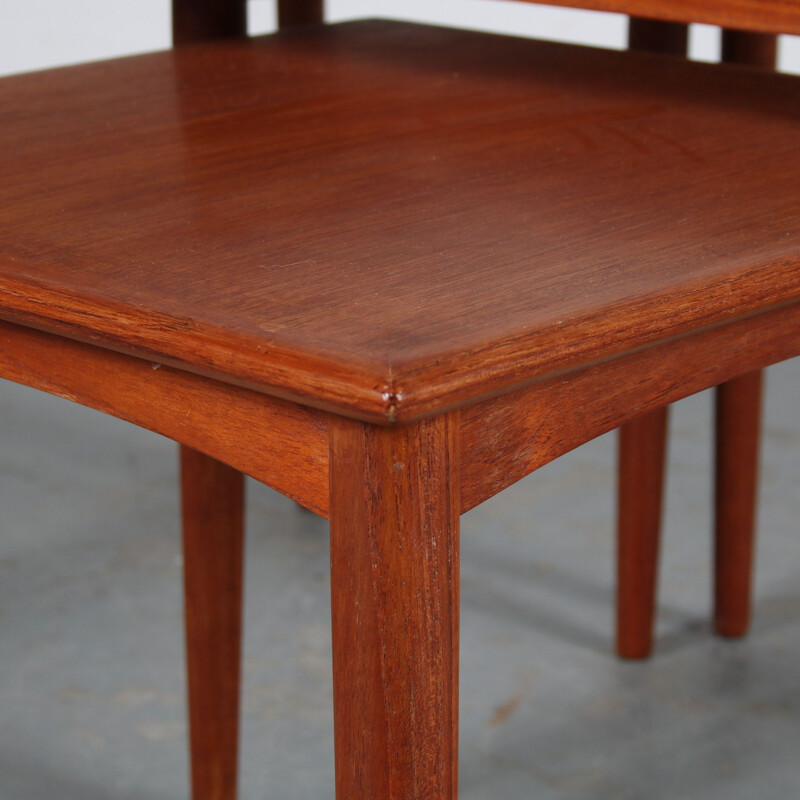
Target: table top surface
(388, 220)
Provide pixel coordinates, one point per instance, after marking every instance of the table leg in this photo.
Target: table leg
(738, 421)
(300, 12)
(642, 445)
(395, 606)
(213, 502)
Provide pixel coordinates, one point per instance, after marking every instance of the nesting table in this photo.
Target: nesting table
(388, 270)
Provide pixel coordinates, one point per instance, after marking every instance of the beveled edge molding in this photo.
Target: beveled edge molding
(507, 437)
(281, 444)
(503, 439)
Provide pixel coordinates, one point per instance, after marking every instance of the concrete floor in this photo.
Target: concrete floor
(91, 656)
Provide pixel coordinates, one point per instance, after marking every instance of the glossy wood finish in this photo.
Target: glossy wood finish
(395, 608)
(770, 16)
(654, 36)
(279, 443)
(439, 271)
(738, 409)
(389, 221)
(213, 544)
(641, 485)
(202, 20)
(508, 437)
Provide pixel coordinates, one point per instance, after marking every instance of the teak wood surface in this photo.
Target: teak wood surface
(388, 269)
(486, 212)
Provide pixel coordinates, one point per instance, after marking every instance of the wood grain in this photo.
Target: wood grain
(642, 447)
(587, 202)
(202, 20)
(280, 444)
(738, 415)
(771, 16)
(508, 437)
(395, 608)
(213, 550)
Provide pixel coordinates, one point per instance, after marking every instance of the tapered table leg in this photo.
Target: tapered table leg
(213, 501)
(738, 423)
(395, 605)
(738, 427)
(642, 446)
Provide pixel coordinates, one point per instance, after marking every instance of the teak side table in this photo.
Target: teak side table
(388, 270)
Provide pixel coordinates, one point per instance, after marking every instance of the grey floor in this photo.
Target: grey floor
(91, 658)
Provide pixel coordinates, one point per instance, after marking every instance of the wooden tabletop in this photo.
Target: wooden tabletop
(388, 220)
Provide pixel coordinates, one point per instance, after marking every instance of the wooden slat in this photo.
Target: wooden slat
(299, 12)
(279, 443)
(508, 437)
(771, 16)
(655, 36)
(201, 20)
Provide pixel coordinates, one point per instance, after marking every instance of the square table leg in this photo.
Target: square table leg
(394, 517)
